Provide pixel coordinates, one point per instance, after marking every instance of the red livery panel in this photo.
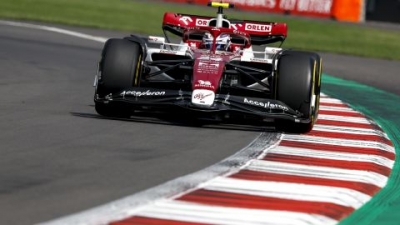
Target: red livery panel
(253, 28)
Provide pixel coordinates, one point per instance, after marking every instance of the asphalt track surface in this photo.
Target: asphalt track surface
(58, 157)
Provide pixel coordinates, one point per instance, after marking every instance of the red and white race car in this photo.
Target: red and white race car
(213, 70)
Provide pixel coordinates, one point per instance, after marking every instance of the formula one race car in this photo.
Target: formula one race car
(213, 70)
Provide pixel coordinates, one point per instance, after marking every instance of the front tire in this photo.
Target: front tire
(298, 86)
(120, 69)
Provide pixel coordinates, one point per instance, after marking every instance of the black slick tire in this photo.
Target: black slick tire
(298, 86)
(120, 69)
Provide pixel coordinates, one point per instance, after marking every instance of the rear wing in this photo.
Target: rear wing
(260, 32)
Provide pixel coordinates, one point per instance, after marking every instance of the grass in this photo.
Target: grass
(145, 17)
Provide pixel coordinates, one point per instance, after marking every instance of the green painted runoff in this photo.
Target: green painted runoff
(384, 109)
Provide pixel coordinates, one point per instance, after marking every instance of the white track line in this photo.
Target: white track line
(192, 212)
(350, 130)
(337, 108)
(330, 100)
(55, 30)
(340, 142)
(290, 191)
(344, 119)
(354, 157)
(318, 172)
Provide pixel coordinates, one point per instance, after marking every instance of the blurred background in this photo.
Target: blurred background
(386, 11)
(366, 27)
(341, 10)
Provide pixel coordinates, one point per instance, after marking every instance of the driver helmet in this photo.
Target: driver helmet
(222, 43)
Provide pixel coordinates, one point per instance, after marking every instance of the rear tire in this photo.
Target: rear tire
(120, 68)
(298, 86)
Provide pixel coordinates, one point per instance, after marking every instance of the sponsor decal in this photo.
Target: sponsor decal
(235, 26)
(310, 6)
(201, 22)
(239, 32)
(208, 66)
(203, 84)
(166, 51)
(260, 60)
(209, 57)
(201, 96)
(258, 27)
(271, 50)
(192, 28)
(186, 20)
(267, 105)
(154, 39)
(258, 3)
(142, 93)
(287, 4)
(320, 6)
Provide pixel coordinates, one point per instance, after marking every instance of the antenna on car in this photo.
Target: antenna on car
(220, 14)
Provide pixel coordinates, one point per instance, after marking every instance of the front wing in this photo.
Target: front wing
(223, 103)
